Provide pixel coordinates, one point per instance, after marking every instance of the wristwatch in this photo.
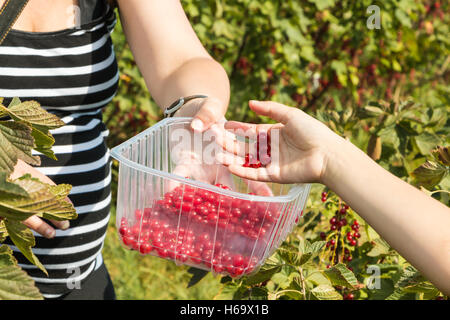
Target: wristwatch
(174, 107)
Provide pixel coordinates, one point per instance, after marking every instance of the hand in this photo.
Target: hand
(205, 112)
(305, 146)
(35, 223)
(199, 164)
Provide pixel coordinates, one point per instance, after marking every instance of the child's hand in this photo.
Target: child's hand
(305, 146)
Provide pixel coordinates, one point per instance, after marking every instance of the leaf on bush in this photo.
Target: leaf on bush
(305, 252)
(197, 275)
(258, 293)
(373, 111)
(310, 250)
(230, 291)
(385, 289)
(16, 142)
(325, 292)
(15, 284)
(442, 154)
(318, 278)
(396, 295)
(409, 277)
(429, 174)
(380, 247)
(426, 142)
(340, 275)
(23, 239)
(44, 200)
(322, 4)
(262, 276)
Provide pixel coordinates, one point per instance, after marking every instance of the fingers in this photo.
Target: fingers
(63, 225)
(37, 224)
(228, 141)
(40, 226)
(235, 166)
(248, 129)
(211, 111)
(276, 111)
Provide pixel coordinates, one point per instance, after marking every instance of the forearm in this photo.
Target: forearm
(197, 76)
(414, 224)
(169, 55)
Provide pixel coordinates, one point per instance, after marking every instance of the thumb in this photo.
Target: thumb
(211, 111)
(276, 111)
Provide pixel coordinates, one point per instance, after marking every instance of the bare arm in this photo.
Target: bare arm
(172, 60)
(414, 224)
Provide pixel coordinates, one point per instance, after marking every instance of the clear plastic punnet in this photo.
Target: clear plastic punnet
(173, 205)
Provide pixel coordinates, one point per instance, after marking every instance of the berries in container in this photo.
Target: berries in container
(174, 204)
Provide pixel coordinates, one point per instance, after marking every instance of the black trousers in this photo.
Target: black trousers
(97, 287)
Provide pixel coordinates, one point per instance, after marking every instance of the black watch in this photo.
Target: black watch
(174, 107)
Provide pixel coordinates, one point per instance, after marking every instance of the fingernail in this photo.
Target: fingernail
(65, 225)
(49, 233)
(197, 124)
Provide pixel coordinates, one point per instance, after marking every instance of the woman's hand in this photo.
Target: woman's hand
(301, 154)
(35, 223)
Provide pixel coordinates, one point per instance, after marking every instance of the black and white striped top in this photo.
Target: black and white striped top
(74, 74)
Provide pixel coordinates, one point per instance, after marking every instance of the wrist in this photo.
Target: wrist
(337, 159)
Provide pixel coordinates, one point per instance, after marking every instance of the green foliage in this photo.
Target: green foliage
(26, 196)
(15, 284)
(384, 89)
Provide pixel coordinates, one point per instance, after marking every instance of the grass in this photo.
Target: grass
(138, 277)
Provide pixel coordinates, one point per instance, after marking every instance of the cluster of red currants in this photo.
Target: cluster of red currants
(339, 223)
(200, 227)
(263, 152)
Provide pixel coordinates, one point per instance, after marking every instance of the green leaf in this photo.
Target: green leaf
(14, 102)
(429, 174)
(16, 142)
(262, 276)
(23, 239)
(3, 231)
(318, 278)
(44, 200)
(397, 294)
(305, 252)
(43, 143)
(31, 112)
(230, 291)
(442, 154)
(340, 275)
(380, 247)
(15, 284)
(322, 4)
(258, 293)
(197, 275)
(310, 251)
(325, 292)
(426, 142)
(373, 111)
(10, 187)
